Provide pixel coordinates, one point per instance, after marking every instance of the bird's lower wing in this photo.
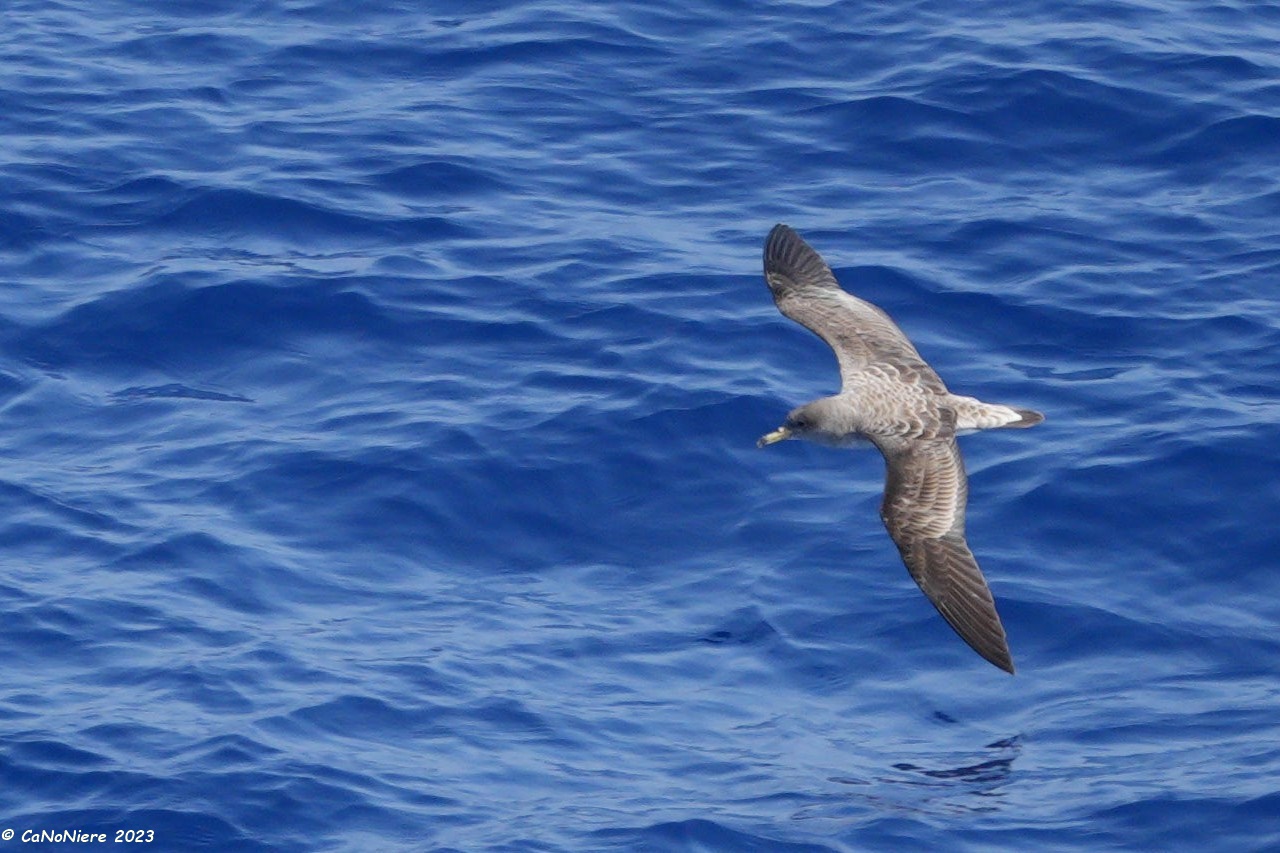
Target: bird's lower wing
(924, 502)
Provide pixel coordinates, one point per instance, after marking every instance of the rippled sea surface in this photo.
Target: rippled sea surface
(379, 387)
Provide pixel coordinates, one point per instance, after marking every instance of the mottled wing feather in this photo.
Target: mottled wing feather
(924, 502)
(862, 335)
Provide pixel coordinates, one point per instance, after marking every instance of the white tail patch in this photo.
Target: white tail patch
(972, 415)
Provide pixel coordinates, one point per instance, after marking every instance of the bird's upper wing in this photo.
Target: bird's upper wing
(862, 335)
(924, 501)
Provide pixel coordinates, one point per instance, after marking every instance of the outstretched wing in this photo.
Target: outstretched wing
(862, 335)
(924, 500)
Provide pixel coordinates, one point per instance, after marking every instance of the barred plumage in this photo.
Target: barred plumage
(893, 398)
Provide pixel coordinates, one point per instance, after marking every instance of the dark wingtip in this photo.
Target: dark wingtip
(1004, 661)
(994, 650)
(790, 262)
(780, 236)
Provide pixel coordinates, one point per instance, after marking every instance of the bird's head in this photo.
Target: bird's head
(825, 421)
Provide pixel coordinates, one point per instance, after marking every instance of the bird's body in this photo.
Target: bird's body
(893, 399)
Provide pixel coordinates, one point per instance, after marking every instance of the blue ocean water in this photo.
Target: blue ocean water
(380, 385)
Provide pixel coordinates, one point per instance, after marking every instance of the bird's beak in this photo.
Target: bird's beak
(779, 434)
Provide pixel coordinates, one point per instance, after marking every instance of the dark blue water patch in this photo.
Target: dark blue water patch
(178, 49)
(443, 179)
(29, 630)
(195, 561)
(227, 214)
(1185, 824)
(1076, 112)
(866, 134)
(175, 391)
(1229, 143)
(18, 232)
(52, 754)
(141, 197)
(182, 323)
(698, 834)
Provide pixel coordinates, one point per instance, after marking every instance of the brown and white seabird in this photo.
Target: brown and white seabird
(892, 398)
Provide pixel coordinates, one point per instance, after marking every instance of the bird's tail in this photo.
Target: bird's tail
(1026, 418)
(974, 414)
